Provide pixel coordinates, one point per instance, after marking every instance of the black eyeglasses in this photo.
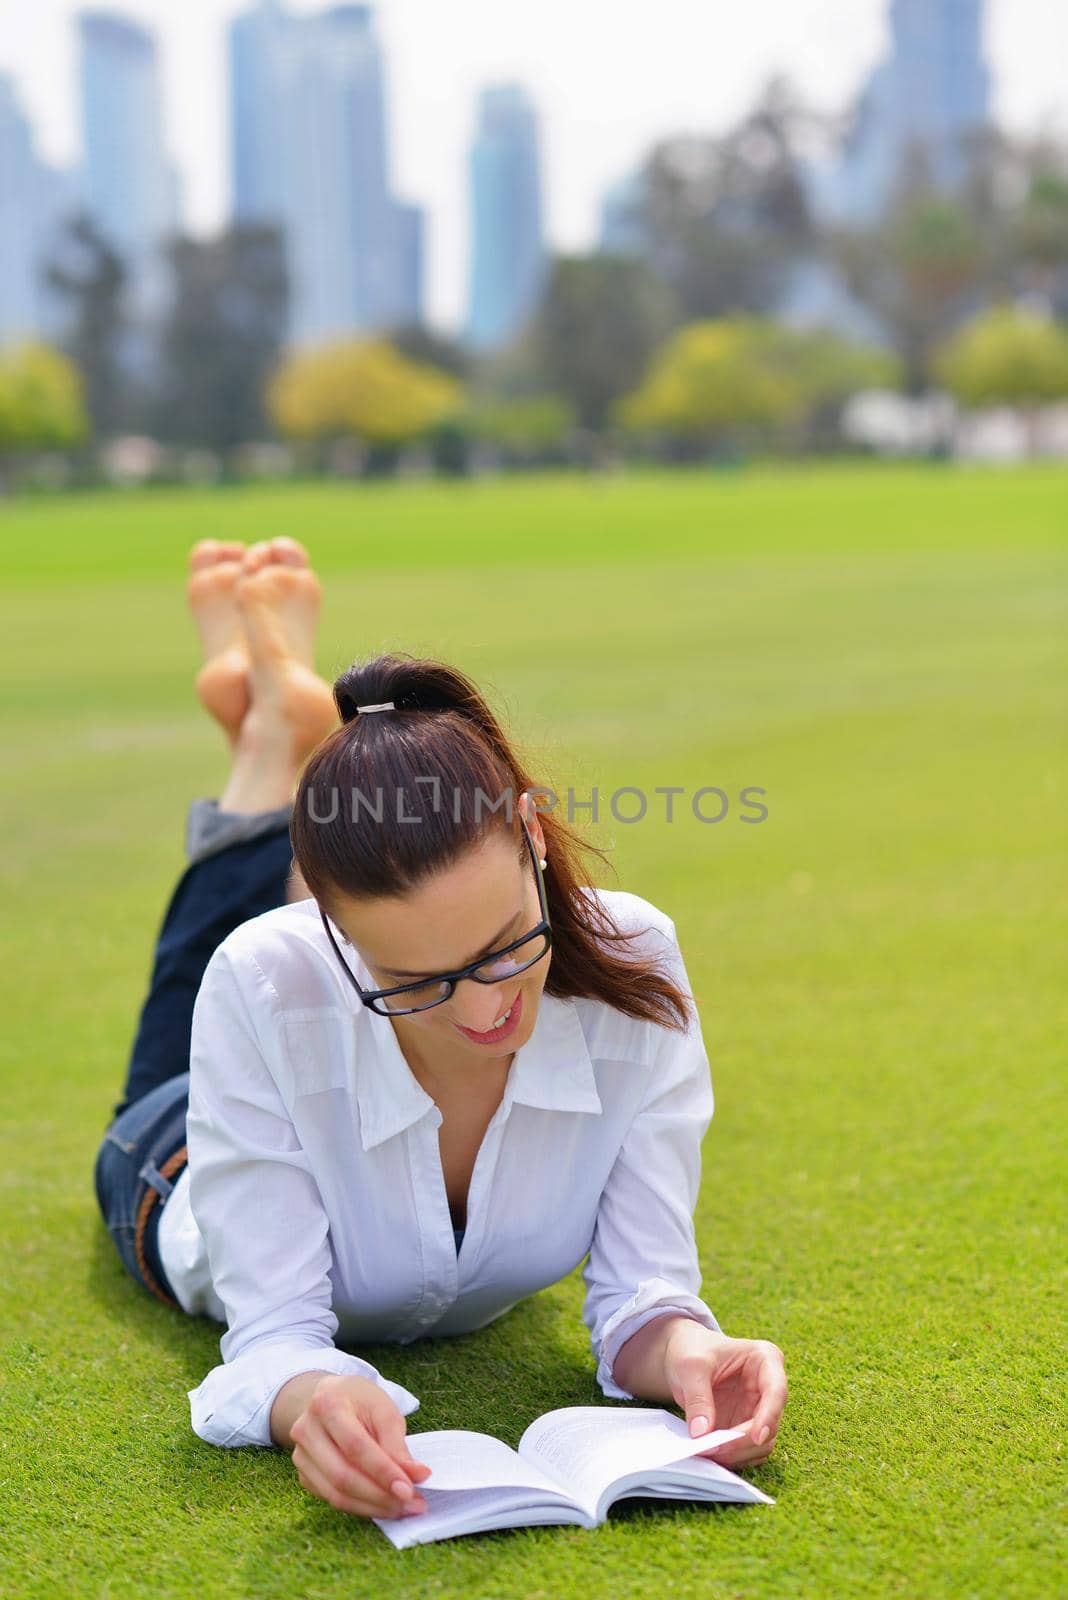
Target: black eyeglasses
(494, 968)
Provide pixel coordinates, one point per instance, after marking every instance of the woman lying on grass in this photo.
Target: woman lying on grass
(400, 1066)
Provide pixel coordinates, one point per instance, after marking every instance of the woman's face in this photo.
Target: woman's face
(482, 901)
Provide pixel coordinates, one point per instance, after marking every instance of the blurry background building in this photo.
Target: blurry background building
(33, 196)
(129, 185)
(507, 240)
(921, 105)
(620, 232)
(309, 151)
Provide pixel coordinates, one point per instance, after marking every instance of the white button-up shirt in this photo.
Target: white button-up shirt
(313, 1208)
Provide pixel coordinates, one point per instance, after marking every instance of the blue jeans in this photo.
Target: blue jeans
(238, 867)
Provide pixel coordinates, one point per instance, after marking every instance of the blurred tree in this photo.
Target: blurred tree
(828, 369)
(527, 427)
(41, 402)
(433, 350)
(1006, 356)
(1040, 236)
(934, 260)
(359, 389)
(91, 277)
(711, 380)
(749, 377)
(222, 337)
(723, 220)
(598, 322)
(919, 271)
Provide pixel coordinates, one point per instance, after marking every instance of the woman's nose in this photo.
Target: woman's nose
(480, 1012)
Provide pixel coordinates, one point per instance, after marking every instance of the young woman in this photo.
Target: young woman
(401, 1065)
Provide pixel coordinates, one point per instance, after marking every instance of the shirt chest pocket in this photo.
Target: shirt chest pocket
(320, 1051)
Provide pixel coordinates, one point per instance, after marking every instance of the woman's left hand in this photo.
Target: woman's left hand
(727, 1382)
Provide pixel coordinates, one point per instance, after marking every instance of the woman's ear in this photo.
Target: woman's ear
(530, 816)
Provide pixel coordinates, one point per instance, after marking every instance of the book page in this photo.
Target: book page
(451, 1514)
(460, 1459)
(476, 1482)
(590, 1448)
(697, 1478)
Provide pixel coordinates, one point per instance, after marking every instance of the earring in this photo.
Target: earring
(541, 863)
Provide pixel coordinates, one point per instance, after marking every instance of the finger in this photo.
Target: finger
(695, 1379)
(356, 1444)
(388, 1426)
(317, 1483)
(350, 1439)
(773, 1394)
(344, 1485)
(343, 1480)
(741, 1452)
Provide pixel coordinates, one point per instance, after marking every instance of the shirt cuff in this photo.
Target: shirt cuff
(654, 1297)
(232, 1406)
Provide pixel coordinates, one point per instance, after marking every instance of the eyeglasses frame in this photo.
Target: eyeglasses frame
(368, 996)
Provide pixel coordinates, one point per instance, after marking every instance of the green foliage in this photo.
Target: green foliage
(1006, 356)
(521, 423)
(917, 269)
(1039, 242)
(361, 389)
(41, 400)
(714, 378)
(91, 278)
(600, 319)
(222, 337)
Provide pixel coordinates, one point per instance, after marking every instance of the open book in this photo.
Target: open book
(571, 1465)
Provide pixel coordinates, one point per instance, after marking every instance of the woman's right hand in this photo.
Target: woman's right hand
(349, 1448)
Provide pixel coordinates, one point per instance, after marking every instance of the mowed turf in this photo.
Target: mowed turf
(879, 964)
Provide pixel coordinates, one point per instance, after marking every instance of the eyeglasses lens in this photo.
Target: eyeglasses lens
(421, 996)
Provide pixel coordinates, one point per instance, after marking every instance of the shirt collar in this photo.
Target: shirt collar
(553, 1071)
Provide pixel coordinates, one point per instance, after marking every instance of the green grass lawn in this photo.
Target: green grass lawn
(880, 966)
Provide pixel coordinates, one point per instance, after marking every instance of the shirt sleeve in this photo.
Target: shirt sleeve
(643, 1257)
(258, 1207)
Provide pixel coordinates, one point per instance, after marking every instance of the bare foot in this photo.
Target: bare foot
(222, 683)
(292, 709)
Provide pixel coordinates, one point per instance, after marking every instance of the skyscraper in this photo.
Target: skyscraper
(507, 244)
(621, 232)
(409, 266)
(309, 150)
(130, 186)
(33, 198)
(258, 144)
(923, 100)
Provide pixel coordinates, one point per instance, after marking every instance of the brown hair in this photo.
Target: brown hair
(442, 729)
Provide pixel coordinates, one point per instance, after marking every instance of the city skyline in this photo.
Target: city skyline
(596, 121)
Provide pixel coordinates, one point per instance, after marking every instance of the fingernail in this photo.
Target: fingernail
(698, 1425)
(402, 1488)
(762, 1434)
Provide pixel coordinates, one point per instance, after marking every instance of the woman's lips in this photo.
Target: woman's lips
(497, 1034)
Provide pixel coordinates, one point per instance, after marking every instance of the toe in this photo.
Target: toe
(256, 556)
(204, 554)
(289, 552)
